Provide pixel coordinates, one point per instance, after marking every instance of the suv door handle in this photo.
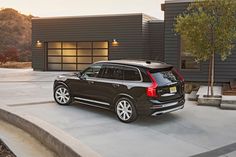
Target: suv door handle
(115, 85)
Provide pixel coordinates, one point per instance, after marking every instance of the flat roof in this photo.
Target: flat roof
(90, 16)
(178, 1)
(156, 21)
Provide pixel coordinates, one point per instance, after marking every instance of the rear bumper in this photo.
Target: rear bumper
(166, 111)
(155, 107)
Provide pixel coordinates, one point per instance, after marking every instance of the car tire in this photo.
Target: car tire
(125, 110)
(62, 95)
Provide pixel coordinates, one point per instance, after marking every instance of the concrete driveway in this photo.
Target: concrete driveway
(191, 131)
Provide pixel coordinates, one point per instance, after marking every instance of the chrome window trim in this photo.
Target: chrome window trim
(92, 101)
(93, 105)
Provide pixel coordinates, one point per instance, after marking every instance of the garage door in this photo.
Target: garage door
(75, 55)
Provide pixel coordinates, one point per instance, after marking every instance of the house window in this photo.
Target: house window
(188, 62)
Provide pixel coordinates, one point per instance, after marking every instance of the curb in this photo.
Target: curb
(53, 138)
(228, 106)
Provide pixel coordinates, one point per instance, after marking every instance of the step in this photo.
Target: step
(228, 91)
(226, 87)
(228, 102)
(233, 84)
(193, 96)
(228, 106)
(209, 101)
(229, 99)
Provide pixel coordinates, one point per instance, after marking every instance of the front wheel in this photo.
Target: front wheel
(62, 95)
(125, 110)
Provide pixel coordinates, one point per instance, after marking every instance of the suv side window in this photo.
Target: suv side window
(112, 72)
(131, 74)
(92, 71)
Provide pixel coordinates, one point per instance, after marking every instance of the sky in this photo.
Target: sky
(50, 8)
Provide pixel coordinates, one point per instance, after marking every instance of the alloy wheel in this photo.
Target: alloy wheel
(62, 95)
(124, 110)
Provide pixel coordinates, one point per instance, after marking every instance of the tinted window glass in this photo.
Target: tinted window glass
(145, 77)
(164, 78)
(187, 59)
(131, 74)
(112, 72)
(92, 71)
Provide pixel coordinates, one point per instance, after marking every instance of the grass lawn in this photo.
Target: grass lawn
(18, 65)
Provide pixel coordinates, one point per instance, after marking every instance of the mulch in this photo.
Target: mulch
(5, 151)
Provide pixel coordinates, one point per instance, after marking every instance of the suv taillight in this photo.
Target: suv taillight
(179, 75)
(151, 91)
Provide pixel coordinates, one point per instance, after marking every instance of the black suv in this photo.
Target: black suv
(127, 87)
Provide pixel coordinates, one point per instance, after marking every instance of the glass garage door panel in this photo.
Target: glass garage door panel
(84, 45)
(75, 55)
(54, 52)
(100, 45)
(54, 59)
(85, 60)
(96, 59)
(54, 66)
(85, 52)
(69, 45)
(98, 52)
(69, 52)
(69, 59)
(82, 66)
(54, 44)
(69, 67)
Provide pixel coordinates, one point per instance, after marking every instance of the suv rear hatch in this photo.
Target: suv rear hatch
(169, 84)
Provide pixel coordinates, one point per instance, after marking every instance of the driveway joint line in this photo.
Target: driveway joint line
(218, 152)
(31, 103)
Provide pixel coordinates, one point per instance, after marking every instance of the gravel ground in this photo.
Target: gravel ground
(5, 151)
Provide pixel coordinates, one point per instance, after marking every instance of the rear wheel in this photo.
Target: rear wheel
(125, 110)
(62, 95)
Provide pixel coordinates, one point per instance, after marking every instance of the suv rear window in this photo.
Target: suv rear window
(112, 72)
(164, 78)
(131, 74)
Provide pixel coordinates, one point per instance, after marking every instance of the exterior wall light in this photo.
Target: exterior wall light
(38, 44)
(115, 42)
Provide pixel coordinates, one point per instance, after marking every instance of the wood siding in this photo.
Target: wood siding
(156, 40)
(224, 71)
(126, 29)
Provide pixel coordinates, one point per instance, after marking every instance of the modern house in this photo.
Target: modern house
(73, 43)
(175, 53)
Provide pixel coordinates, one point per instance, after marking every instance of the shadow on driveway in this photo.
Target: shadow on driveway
(141, 121)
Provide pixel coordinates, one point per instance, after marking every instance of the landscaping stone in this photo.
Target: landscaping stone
(209, 101)
(5, 151)
(193, 96)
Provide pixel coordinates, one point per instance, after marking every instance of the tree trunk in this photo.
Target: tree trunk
(209, 77)
(212, 60)
(212, 73)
